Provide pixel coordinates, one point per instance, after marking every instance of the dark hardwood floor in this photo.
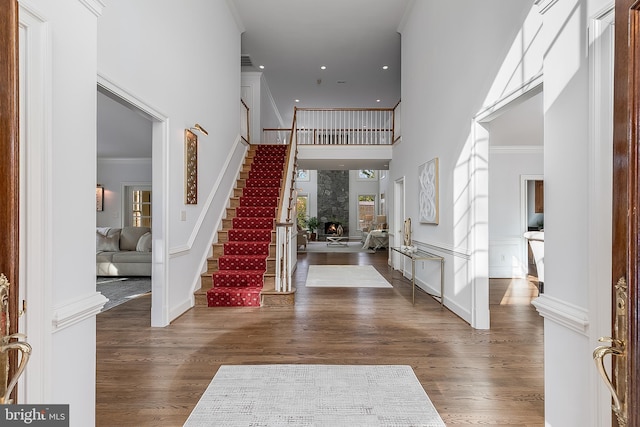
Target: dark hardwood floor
(155, 376)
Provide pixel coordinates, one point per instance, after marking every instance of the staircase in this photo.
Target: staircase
(243, 260)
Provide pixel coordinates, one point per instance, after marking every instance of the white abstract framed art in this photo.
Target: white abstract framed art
(429, 193)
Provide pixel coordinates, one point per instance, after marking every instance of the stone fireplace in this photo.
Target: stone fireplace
(333, 201)
(331, 227)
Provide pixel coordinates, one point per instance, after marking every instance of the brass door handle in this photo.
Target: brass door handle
(25, 350)
(616, 349)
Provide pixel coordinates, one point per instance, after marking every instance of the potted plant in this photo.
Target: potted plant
(312, 223)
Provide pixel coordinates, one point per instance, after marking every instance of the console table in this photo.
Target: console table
(421, 255)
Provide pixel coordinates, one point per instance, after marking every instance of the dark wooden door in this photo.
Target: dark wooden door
(626, 208)
(9, 161)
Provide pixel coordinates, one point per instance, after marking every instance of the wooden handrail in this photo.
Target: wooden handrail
(246, 123)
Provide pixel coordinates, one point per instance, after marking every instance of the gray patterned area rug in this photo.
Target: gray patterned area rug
(122, 289)
(315, 395)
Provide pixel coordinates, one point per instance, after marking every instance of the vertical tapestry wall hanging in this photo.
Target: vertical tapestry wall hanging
(190, 168)
(428, 197)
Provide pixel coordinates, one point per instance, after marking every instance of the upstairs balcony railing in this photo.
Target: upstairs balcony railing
(340, 126)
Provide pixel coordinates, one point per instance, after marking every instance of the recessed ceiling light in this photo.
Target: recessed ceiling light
(341, 166)
(377, 100)
(385, 67)
(323, 67)
(261, 67)
(297, 100)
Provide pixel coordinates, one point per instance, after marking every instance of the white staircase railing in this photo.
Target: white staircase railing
(285, 247)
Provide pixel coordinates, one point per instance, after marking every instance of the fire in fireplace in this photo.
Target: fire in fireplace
(331, 227)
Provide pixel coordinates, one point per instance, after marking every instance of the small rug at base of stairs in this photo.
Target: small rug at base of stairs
(345, 276)
(122, 289)
(315, 395)
(240, 276)
(347, 247)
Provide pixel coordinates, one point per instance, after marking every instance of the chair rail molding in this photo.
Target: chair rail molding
(562, 313)
(77, 311)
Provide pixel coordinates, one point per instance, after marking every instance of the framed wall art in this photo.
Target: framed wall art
(429, 193)
(190, 168)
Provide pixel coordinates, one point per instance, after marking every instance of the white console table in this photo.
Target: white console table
(421, 255)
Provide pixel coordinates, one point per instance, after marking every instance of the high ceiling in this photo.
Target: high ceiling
(292, 39)
(353, 39)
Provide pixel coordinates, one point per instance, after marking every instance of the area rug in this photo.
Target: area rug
(345, 276)
(122, 289)
(315, 395)
(322, 247)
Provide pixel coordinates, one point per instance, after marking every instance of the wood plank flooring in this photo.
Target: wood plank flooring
(155, 376)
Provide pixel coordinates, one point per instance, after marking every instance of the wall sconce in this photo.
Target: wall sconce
(99, 198)
(200, 128)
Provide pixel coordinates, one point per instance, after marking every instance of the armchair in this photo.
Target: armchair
(302, 238)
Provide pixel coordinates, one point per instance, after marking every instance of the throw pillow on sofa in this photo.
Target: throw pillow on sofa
(109, 242)
(144, 243)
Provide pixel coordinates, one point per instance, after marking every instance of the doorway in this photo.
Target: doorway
(397, 260)
(159, 144)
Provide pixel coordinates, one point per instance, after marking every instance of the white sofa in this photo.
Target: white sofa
(123, 251)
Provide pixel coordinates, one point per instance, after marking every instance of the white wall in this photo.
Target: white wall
(506, 244)
(161, 67)
(436, 122)
(263, 112)
(570, 244)
(64, 307)
(269, 114)
(112, 175)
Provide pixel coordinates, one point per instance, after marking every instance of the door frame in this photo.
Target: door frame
(36, 204)
(601, 38)
(160, 185)
(397, 260)
(524, 209)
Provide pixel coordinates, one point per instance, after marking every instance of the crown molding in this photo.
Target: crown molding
(516, 149)
(95, 6)
(545, 5)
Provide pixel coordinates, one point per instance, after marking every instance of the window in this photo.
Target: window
(366, 211)
(137, 209)
(141, 212)
(366, 174)
(302, 209)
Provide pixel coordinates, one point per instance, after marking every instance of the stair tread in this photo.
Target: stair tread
(238, 272)
(254, 202)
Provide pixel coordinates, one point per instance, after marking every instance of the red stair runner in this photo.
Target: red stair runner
(240, 275)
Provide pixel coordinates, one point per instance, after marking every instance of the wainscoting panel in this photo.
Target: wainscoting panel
(505, 258)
